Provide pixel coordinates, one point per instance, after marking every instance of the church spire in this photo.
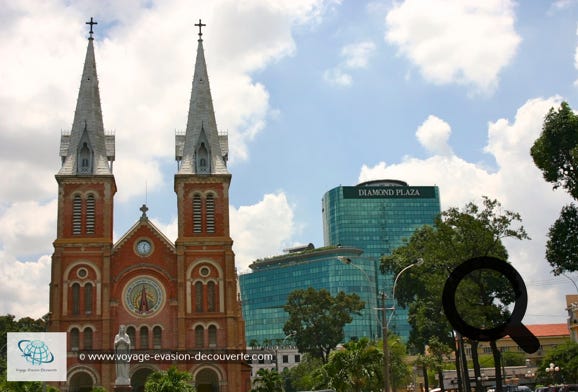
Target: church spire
(201, 150)
(86, 150)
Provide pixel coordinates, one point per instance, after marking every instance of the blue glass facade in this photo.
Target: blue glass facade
(376, 216)
(265, 290)
(360, 223)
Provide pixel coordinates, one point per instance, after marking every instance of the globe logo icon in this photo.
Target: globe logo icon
(35, 351)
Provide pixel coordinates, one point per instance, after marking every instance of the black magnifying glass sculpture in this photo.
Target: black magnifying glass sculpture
(513, 326)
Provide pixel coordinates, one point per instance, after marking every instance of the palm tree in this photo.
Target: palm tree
(172, 380)
(358, 367)
(268, 380)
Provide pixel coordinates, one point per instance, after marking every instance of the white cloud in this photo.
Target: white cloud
(24, 289)
(576, 59)
(260, 230)
(355, 56)
(463, 42)
(433, 135)
(337, 77)
(28, 228)
(517, 184)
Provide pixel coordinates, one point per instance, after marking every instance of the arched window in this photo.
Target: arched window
(210, 208)
(199, 297)
(87, 336)
(212, 336)
(157, 337)
(77, 215)
(199, 336)
(203, 159)
(197, 219)
(90, 214)
(88, 298)
(211, 297)
(85, 158)
(75, 298)
(131, 332)
(74, 339)
(144, 337)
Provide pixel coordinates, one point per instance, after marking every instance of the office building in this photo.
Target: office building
(361, 223)
(376, 216)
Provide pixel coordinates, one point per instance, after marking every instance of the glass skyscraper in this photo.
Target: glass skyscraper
(265, 290)
(361, 223)
(376, 216)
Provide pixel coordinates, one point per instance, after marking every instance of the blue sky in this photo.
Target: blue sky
(314, 94)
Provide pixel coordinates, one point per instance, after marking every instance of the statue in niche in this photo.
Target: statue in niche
(122, 351)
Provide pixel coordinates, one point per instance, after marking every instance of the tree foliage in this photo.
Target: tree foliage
(268, 380)
(357, 367)
(305, 376)
(565, 356)
(456, 236)
(316, 319)
(562, 245)
(172, 380)
(555, 152)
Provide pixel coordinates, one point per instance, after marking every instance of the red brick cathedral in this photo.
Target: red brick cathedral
(171, 296)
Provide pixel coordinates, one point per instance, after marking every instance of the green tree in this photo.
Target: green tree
(562, 244)
(565, 356)
(555, 152)
(316, 319)
(456, 236)
(268, 380)
(305, 376)
(399, 370)
(172, 380)
(438, 352)
(357, 367)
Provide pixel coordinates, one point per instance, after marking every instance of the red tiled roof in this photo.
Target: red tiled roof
(540, 330)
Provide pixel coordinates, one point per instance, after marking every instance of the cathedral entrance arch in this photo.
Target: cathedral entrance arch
(139, 379)
(81, 381)
(207, 380)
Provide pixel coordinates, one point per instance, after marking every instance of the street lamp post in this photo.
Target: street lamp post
(553, 370)
(385, 319)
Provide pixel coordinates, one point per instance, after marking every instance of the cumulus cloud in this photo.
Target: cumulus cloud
(355, 56)
(260, 229)
(433, 135)
(28, 228)
(516, 183)
(461, 42)
(24, 287)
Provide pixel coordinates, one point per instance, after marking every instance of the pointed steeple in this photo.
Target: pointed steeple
(201, 150)
(87, 150)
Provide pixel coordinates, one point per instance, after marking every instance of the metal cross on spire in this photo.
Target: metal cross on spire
(201, 25)
(91, 23)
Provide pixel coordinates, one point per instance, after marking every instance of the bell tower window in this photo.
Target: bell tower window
(203, 159)
(85, 159)
(77, 215)
(90, 214)
(197, 218)
(210, 208)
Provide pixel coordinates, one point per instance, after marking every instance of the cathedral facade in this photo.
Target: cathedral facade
(173, 297)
